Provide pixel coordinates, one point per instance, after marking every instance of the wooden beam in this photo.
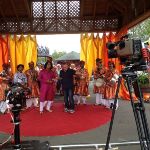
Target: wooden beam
(94, 8)
(139, 19)
(109, 4)
(121, 4)
(144, 5)
(118, 8)
(81, 8)
(14, 8)
(27, 8)
(2, 13)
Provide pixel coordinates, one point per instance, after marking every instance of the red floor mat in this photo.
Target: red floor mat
(58, 122)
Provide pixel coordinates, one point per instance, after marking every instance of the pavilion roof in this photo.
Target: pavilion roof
(70, 16)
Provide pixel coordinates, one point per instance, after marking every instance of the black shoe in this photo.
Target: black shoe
(111, 106)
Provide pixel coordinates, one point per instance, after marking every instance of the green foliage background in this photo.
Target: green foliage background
(141, 30)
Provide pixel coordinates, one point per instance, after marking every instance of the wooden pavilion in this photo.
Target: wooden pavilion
(70, 16)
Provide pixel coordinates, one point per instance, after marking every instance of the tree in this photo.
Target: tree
(56, 54)
(141, 30)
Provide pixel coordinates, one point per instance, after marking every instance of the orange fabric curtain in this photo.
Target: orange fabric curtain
(3, 51)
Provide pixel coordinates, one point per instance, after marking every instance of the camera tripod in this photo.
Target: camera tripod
(137, 107)
(16, 122)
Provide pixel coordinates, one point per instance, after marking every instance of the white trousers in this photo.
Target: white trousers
(99, 99)
(46, 104)
(79, 99)
(31, 101)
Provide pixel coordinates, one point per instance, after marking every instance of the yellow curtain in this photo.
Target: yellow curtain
(22, 51)
(31, 49)
(84, 45)
(98, 42)
(91, 55)
(92, 48)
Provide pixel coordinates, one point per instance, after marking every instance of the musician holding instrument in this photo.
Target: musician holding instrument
(111, 78)
(99, 82)
(5, 81)
(83, 83)
(32, 83)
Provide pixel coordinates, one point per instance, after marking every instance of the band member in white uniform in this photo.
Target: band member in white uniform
(111, 78)
(99, 84)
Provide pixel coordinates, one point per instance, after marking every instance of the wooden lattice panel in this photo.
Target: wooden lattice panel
(3, 27)
(58, 16)
(74, 8)
(52, 28)
(87, 25)
(100, 24)
(12, 26)
(75, 25)
(49, 23)
(49, 9)
(104, 24)
(25, 26)
(62, 9)
(37, 9)
(62, 25)
(38, 25)
(70, 16)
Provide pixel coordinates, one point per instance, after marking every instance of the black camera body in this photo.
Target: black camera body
(16, 96)
(129, 51)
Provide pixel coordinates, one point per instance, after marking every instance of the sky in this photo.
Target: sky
(60, 42)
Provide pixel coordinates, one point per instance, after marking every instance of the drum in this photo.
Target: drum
(114, 79)
(99, 82)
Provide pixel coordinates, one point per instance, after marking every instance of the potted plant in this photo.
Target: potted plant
(143, 79)
(144, 82)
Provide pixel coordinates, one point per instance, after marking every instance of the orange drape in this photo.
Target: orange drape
(3, 50)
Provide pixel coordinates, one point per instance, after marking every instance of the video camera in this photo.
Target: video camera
(16, 96)
(129, 52)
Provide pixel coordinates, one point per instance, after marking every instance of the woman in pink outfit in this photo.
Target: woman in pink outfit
(47, 80)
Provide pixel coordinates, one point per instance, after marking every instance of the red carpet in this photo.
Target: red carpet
(58, 122)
